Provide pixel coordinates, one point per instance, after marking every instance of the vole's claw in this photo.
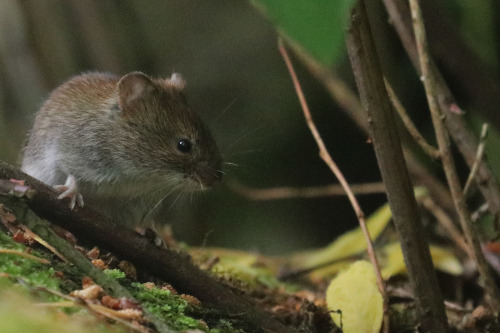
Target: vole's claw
(79, 199)
(70, 190)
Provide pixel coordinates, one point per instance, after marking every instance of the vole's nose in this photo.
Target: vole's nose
(213, 178)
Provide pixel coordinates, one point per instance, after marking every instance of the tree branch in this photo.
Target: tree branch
(43, 229)
(174, 267)
(479, 158)
(327, 158)
(478, 82)
(410, 127)
(442, 138)
(446, 223)
(350, 103)
(304, 192)
(453, 116)
(369, 80)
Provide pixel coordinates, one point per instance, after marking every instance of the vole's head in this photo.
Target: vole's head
(167, 139)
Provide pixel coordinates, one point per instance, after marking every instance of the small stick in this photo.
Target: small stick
(42, 242)
(412, 129)
(446, 223)
(492, 259)
(350, 103)
(399, 15)
(387, 145)
(325, 156)
(480, 212)
(292, 274)
(276, 193)
(24, 255)
(479, 158)
(443, 140)
(94, 308)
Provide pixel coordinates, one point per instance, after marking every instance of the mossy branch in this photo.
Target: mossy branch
(174, 267)
(43, 229)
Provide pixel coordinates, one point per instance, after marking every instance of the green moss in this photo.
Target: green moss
(175, 311)
(166, 306)
(115, 273)
(19, 295)
(225, 327)
(20, 313)
(30, 271)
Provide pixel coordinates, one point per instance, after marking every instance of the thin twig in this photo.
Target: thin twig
(24, 255)
(447, 158)
(276, 193)
(294, 273)
(387, 145)
(479, 158)
(42, 242)
(71, 301)
(492, 258)
(100, 310)
(454, 121)
(350, 103)
(412, 129)
(325, 156)
(446, 223)
(480, 212)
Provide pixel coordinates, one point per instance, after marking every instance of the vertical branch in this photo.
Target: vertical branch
(453, 117)
(325, 156)
(447, 158)
(479, 158)
(369, 80)
(410, 127)
(350, 103)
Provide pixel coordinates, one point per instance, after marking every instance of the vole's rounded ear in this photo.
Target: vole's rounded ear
(132, 87)
(177, 80)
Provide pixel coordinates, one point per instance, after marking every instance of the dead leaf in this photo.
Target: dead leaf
(89, 293)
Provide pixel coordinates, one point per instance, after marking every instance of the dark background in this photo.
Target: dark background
(227, 52)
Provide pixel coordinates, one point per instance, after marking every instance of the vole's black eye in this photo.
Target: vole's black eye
(184, 145)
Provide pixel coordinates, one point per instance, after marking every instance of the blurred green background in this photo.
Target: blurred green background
(227, 52)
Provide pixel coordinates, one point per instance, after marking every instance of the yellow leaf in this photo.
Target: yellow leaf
(393, 263)
(445, 261)
(247, 267)
(355, 301)
(345, 246)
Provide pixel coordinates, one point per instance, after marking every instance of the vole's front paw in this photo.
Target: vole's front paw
(70, 190)
(152, 236)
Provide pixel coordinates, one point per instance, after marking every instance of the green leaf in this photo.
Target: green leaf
(316, 25)
(355, 301)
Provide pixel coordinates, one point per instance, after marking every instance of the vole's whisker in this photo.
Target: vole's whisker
(226, 108)
(243, 152)
(173, 203)
(244, 136)
(161, 200)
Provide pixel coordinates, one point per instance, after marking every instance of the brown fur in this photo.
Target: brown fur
(118, 138)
